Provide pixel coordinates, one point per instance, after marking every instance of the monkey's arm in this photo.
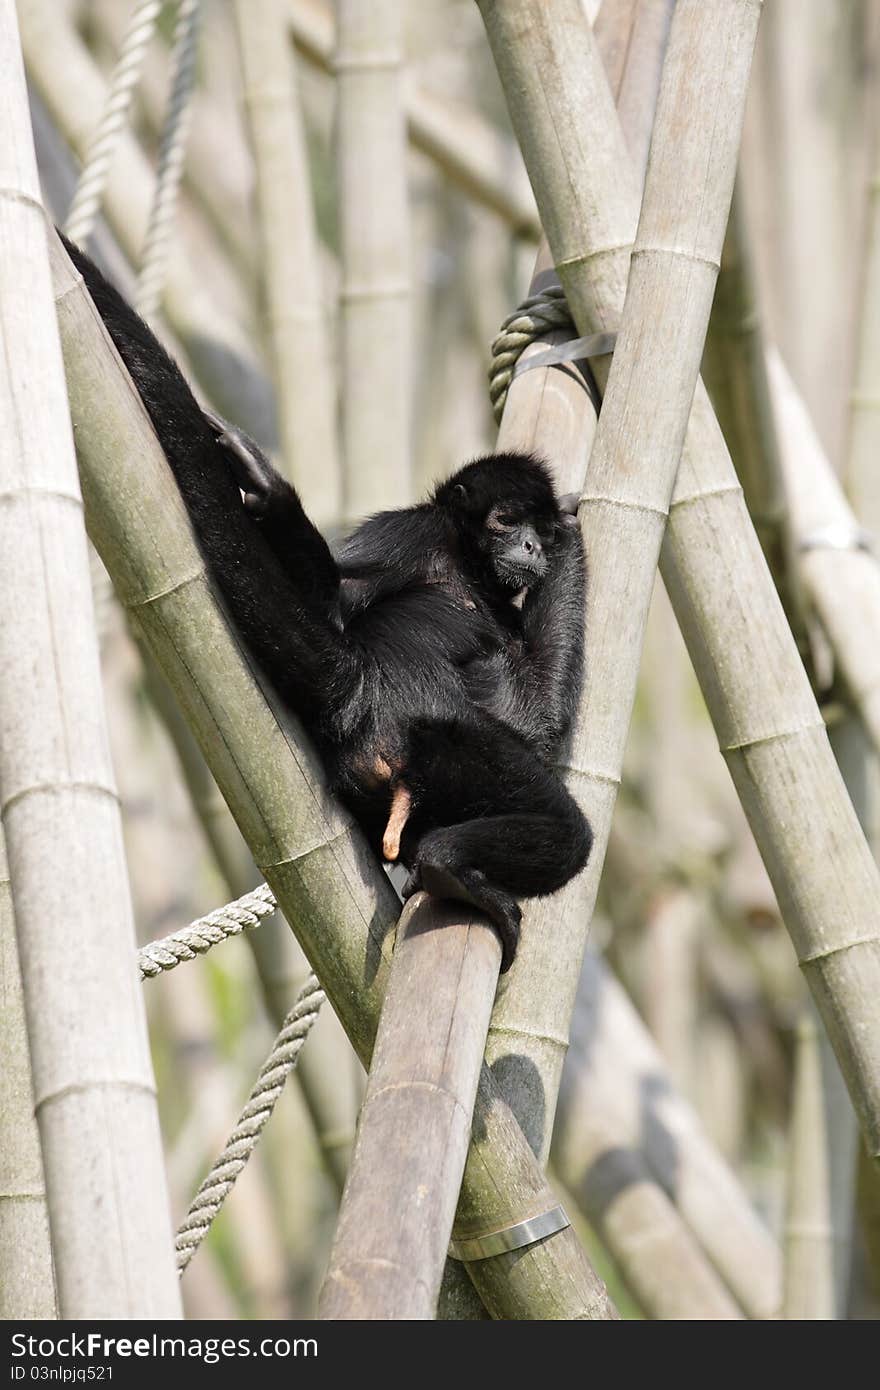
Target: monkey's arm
(552, 615)
(277, 510)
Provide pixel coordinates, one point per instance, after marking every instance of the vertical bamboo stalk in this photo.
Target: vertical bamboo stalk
(295, 309)
(330, 887)
(863, 443)
(27, 1282)
(400, 1198)
(375, 254)
(92, 1077)
(821, 1172)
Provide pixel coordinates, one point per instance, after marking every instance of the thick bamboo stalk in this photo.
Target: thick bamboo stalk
(27, 1283)
(621, 1121)
(374, 244)
(748, 666)
(330, 887)
(304, 383)
(402, 1190)
(74, 91)
(92, 1077)
(486, 165)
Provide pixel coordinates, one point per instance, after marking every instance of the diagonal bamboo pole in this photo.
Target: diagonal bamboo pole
(92, 1076)
(753, 681)
(27, 1281)
(304, 385)
(374, 242)
(330, 887)
(400, 1198)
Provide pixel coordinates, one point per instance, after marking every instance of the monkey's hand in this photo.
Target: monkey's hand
(251, 469)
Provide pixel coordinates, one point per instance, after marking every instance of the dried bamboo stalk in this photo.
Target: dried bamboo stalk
(484, 164)
(303, 376)
(27, 1282)
(749, 669)
(863, 442)
(621, 1119)
(400, 1198)
(92, 1076)
(374, 246)
(821, 1172)
(70, 83)
(330, 887)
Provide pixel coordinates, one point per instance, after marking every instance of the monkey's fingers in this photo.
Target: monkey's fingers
(401, 806)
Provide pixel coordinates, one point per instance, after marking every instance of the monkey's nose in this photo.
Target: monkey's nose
(531, 547)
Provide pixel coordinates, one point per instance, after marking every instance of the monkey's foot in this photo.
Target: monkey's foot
(472, 886)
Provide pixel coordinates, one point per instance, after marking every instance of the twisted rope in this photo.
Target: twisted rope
(172, 149)
(243, 915)
(535, 317)
(102, 146)
(243, 1140)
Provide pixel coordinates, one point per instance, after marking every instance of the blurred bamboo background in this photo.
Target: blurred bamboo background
(354, 223)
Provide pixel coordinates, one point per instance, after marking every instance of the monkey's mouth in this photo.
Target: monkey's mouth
(516, 575)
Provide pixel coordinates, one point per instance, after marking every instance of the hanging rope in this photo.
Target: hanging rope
(535, 317)
(243, 915)
(102, 146)
(172, 149)
(243, 1140)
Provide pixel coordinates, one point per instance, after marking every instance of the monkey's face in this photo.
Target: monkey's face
(516, 547)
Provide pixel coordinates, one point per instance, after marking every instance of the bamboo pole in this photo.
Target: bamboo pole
(330, 887)
(74, 92)
(27, 1282)
(304, 384)
(863, 442)
(400, 1198)
(92, 1077)
(485, 165)
(622, 1121)
(374, 242)
(749, 669)
(821, 1172)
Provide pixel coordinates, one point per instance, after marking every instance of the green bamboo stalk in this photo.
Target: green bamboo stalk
(330, 887)
(304, 384)
(27, 1282)
(374, 240)
(92, 1076)
(748, 666)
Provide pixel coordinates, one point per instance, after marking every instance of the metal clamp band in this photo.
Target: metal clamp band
(840, 537)
(511, 1237)
(575, 350)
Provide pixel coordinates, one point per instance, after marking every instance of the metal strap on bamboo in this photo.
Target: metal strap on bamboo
(537, 316)
(166, 954)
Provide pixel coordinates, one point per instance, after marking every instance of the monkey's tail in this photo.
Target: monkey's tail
(291, 636)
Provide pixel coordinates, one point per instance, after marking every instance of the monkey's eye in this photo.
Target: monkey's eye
(500, 521)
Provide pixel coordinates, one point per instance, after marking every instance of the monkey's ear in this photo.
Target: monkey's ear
(460, 492)
(568, 504)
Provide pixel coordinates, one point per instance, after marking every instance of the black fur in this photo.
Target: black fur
(411, 656)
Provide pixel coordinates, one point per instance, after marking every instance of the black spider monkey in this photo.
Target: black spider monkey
(435, 660)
